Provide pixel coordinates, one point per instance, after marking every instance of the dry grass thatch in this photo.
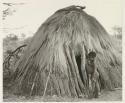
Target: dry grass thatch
(49, 63)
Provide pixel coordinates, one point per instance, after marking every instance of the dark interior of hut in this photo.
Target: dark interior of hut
(78, 61)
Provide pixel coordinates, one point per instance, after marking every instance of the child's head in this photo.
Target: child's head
(90, 57)
(92, 54)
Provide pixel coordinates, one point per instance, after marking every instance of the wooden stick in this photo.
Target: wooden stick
(83, 69)
(47, 82)
(71, 74)
(56, 85)
(71, 83)
(33, 84)
(60, 82)
(72, 70)
(76, 70)
(66, 87)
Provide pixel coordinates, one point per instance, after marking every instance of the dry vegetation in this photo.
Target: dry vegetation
(45, 67)
(8, 96)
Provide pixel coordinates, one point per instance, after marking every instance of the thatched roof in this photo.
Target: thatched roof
(49, 61)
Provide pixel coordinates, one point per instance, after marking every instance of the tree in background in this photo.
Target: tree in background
(117, 32)
(10, 38)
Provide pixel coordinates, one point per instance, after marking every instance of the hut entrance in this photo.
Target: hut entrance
(78, 61)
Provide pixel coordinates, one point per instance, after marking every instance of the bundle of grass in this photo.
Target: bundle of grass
(54, 62)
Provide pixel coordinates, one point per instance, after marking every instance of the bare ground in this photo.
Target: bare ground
(105, 96)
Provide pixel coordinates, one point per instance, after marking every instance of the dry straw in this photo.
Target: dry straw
(49, 64)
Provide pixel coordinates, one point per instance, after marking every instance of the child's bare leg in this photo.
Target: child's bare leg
(98, 88)
(95, 85)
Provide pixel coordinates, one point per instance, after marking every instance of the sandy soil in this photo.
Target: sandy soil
(105, 96)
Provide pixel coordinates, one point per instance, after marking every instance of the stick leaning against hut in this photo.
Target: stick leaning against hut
(49, 65)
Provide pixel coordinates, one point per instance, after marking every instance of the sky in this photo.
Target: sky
(30, 16)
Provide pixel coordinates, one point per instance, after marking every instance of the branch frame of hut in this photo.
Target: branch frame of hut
(14, 54)
(49, 63)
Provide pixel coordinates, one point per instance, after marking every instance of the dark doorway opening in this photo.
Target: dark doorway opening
(78, 61)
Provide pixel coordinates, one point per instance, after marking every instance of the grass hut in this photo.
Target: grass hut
(54, 62)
